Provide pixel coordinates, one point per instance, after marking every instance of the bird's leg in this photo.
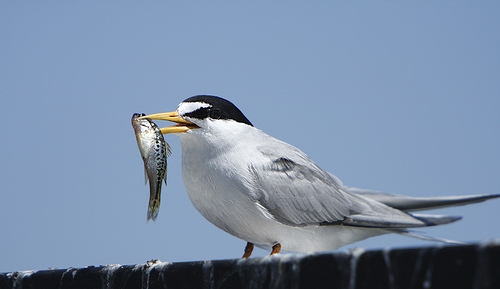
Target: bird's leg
(248, 250)
(276, 249)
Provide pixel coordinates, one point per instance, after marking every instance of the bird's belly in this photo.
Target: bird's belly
(224, 200)
(234, 212)
(230, 210)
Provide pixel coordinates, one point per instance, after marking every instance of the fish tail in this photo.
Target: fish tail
(154, 203)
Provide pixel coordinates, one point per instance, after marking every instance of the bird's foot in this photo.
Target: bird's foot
(248, 250)
(276, 249)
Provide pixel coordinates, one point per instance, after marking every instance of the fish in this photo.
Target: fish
(154, 152)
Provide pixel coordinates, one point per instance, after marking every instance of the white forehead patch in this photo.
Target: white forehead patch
(187, 107)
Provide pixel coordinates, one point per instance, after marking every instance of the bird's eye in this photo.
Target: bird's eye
(215, 113)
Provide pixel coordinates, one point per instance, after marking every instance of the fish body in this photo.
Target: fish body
(154, 152)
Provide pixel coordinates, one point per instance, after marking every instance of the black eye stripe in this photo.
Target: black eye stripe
(206, 112)
(199, 113)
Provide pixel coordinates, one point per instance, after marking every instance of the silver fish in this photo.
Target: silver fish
(154, 151)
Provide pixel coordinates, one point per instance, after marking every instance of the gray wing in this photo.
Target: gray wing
(295, 191)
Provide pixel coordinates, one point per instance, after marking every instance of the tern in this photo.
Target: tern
(272, 195)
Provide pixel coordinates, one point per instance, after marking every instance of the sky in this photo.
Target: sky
(398, 96)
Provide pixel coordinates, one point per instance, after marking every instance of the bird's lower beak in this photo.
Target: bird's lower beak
(183, 125)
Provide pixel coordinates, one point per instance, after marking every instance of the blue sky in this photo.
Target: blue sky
(398, 97)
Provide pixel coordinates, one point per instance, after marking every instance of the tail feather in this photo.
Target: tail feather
(409, 204)
(428, 238)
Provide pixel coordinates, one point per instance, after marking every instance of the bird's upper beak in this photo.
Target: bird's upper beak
(182, 124)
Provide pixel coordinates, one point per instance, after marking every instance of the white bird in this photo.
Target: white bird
(269, 193)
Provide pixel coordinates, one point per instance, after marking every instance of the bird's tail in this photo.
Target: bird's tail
(416, 235)
(409, 204)
(430, 220)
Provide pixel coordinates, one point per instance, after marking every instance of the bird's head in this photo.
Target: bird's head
(198, 112)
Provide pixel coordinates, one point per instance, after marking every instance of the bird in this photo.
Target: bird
(273, 196)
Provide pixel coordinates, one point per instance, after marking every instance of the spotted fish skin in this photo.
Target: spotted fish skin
(154, 152)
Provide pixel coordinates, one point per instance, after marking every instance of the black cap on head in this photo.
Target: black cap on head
(219, 108)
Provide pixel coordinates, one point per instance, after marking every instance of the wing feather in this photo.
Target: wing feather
(295, 191)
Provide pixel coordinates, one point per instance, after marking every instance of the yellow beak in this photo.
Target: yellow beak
(183, 125)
